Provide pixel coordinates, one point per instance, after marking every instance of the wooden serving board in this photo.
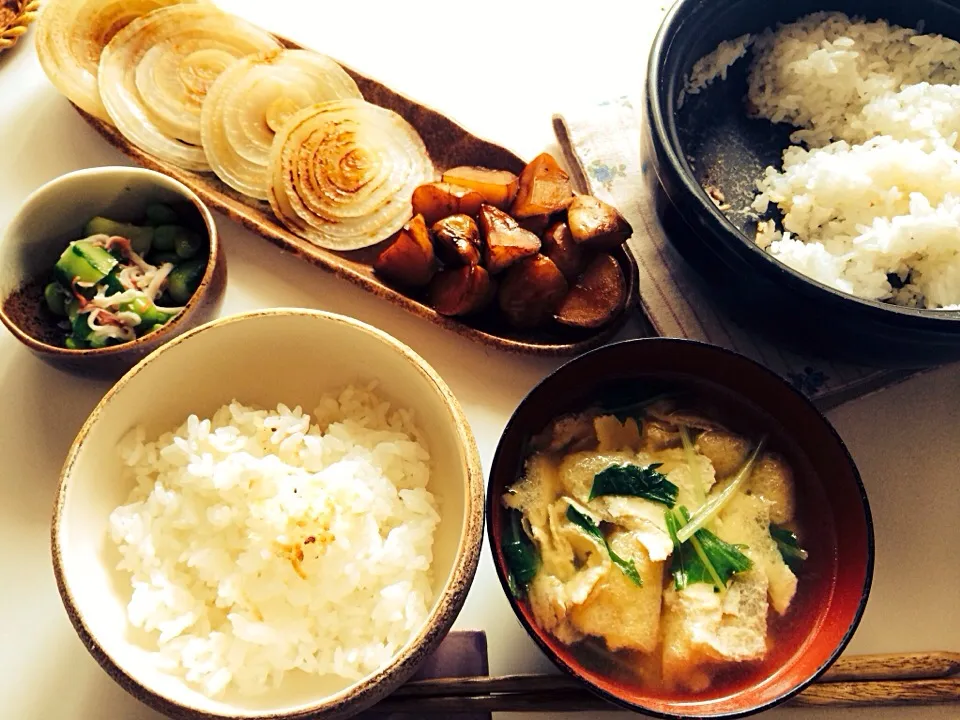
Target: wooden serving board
(449, 145)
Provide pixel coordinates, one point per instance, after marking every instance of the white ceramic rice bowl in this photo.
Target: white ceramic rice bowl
(260, 358)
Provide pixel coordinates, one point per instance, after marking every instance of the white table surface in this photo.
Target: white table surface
(501, 68)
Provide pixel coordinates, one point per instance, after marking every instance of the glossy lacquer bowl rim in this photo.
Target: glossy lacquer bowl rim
(502, 475)
(661, 113)
(372, 688)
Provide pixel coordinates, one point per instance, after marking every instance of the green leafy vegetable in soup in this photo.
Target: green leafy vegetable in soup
(704, 558)
(521, 556)
(789, 546)
(656, 538)
(637, 481)
(585, 522)
(122, 280)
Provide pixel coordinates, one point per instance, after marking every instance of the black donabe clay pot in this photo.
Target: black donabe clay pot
(710, 140)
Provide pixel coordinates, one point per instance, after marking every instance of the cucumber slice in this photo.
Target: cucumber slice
(184, 279)
(85, 262)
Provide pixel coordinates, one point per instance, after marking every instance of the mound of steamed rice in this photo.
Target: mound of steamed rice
(870, 202)
(258, 542)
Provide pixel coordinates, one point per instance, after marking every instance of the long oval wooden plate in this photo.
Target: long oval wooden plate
(449, 145)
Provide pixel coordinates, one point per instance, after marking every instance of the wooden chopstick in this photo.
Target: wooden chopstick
(855, 681)
(894, 666)
(880, 693)
(883, 693)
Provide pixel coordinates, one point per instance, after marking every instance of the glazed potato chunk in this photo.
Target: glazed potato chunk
(559, 246)
(544, 189)
(597, 297)
(531, 291)
(495, 187)
(461, 291)
(409, 260)
(505, 242)
(457, 240)
(596, 225)
(436, 201)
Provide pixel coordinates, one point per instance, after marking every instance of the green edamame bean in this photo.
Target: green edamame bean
(56, 300)
(187, 244)
(164, 236)
(160, 214)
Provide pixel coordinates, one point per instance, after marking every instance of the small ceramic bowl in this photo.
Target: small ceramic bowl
(54, 215)
(259, 358)
(836, 526)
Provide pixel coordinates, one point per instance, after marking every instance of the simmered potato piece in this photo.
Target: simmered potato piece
(531, 291)
(597, 225)
(727, 452)
(544, 188)
(558, 245)
(409, 260)
(598, 296)
(461, 291)
(772, 479)
(457, 240)
(436, 201)
(535, 224)
(505, 242)
(496, 187)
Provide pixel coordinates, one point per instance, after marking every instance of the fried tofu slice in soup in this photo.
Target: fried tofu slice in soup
(702, 627)
(613, 435)
(573, 563)
(626, 616)
(641, 517)
(746, 521)
(687, 476)
(533, 495)
(726, 451)
(772, 479)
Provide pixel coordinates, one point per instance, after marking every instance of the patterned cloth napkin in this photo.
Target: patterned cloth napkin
(603, 142)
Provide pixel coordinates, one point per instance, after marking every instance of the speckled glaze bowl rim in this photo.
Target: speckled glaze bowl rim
(169, 328)
(370, 689)
(535, 634)
(663, 126)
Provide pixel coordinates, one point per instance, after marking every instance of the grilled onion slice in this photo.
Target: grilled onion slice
(155, 73)
(70, 36)
(250, 102)
(342, 173)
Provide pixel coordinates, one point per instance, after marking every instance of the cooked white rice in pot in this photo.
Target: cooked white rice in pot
(259, 542)
(870, 192)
